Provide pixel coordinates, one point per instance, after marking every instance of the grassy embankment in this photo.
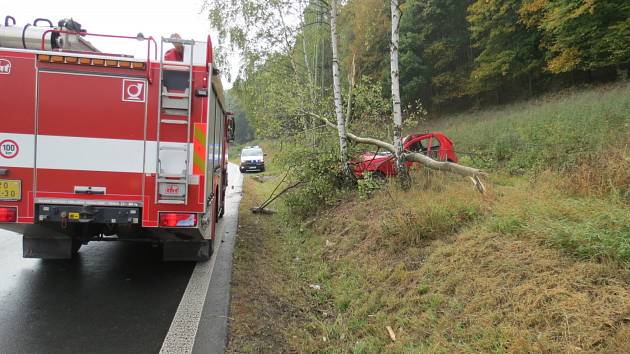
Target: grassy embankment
(541, 263)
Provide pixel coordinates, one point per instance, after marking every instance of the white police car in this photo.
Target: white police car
(252, 159)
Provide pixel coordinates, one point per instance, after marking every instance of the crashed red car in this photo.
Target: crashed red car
(436, 145)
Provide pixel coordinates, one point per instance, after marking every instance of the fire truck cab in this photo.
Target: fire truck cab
(102, 146)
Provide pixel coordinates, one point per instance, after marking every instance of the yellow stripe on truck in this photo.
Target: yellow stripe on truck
(199, 149)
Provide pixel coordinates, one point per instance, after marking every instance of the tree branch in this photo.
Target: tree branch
(414, 156)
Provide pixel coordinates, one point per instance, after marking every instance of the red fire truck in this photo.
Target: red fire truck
(102, 146)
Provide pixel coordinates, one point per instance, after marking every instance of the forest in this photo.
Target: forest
(454, 54)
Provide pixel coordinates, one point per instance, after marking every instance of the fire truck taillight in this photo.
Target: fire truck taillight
(178, 220)
(110, 63)
(8, 215)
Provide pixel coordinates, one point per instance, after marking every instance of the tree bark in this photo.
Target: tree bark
(350, 87)
(397, 112)
(341, 126)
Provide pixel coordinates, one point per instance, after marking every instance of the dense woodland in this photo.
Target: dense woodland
(455, 54)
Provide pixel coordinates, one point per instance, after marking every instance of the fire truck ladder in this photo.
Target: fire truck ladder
(176, 107)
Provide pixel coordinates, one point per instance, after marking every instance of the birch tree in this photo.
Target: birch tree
(341, 124)
(397, 112)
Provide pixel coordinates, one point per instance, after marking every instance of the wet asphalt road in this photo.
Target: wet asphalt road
(114, 297)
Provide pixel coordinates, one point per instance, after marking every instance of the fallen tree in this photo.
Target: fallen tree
(470, 172)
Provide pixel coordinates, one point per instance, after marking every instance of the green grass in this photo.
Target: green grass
(580, 138)
(556, 131)
(539, 264)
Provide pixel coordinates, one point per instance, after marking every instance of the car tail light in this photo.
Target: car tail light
(8, 215)
(178, 219)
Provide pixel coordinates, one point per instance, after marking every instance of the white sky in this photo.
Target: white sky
(120, 17)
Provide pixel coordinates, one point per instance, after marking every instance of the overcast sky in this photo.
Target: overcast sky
(122, 17)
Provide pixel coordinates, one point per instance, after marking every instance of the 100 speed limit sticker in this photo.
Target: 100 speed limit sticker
(9, 149)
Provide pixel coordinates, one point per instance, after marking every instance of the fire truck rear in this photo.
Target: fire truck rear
(98, 146)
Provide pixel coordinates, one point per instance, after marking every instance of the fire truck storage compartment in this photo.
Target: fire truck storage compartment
(90, 136)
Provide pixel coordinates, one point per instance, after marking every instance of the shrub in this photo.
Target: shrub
(321, 179)
(369, 185)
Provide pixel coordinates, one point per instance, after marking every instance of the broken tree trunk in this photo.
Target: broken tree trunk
(473, 173)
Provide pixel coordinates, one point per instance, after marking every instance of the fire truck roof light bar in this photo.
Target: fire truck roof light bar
(149, 39)
(61, 59)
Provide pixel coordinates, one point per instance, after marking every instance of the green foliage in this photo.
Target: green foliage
(435, 52)
(369, 185)
(371, 110)
(508, 50)
(581, 35)
(319, 172)
(453, 53)
(364, 26)
(244, 131)
(272, 99)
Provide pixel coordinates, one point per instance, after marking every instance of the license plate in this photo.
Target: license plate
(10, 190)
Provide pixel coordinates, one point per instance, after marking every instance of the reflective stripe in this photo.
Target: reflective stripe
(199, 149)
(86, 154)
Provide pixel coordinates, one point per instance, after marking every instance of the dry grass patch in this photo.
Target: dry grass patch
(468, 275)
(263, 305)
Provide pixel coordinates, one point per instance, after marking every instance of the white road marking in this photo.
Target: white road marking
(181, 335)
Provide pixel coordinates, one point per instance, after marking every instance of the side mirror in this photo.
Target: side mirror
(231, 129)
(265, 154)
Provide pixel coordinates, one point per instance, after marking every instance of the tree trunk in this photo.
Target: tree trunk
(398, 144)
(341, 126)
(350, 87)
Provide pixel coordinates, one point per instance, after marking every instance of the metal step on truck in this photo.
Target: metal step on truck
(101, 146)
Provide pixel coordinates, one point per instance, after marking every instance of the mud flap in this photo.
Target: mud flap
(45, 243)
(196, 251)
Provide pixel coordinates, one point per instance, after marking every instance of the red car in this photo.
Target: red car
(435, 145)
